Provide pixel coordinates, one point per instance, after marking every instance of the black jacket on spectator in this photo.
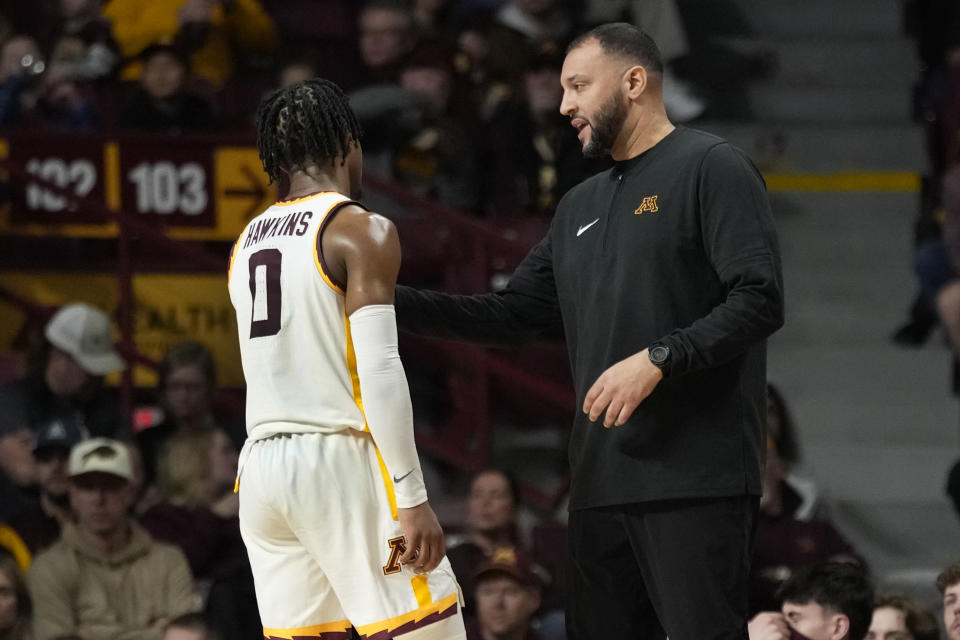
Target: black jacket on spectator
(96, 416)
(184, 113)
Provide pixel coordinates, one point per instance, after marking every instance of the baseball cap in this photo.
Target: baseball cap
(63, 432)
(85, 333)
(514, 563)
(101, 455)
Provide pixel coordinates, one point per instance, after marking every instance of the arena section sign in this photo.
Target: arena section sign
(196, 188)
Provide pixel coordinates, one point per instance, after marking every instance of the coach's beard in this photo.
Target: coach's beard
(606, 127)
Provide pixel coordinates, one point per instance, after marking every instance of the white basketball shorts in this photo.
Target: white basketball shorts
(319, 523)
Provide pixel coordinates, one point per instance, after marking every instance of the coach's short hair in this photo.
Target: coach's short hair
(840, 587)
(624, 40)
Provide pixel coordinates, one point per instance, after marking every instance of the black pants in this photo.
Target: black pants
(674, 568)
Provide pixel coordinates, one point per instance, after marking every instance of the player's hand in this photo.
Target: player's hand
(620, 389)
(425, 546)
(768, 626)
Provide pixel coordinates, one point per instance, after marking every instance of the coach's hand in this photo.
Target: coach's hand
(425, 546)
(620, 389)
(768, 626)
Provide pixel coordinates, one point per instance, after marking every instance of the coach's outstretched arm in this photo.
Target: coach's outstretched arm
(527, 306)
(366, 247)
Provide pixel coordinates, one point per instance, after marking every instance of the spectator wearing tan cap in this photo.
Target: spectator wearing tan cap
(508, 592)
(106, 578)
(65, 374)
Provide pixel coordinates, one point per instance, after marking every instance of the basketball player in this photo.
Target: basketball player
(333, 508)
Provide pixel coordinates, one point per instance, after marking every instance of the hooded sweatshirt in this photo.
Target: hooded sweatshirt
(77, 589)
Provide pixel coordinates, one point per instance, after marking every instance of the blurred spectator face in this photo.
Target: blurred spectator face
(13, 55)
(163, 75)
(64, 375)
(490, 505)
(504, 606)
(67, 49)
(100, 502)
(889, 623)
(385, 35)
(74, 8)
(815, 621)
(296, 72)
(52, 470)
(534, 7)
(187, 394)
(542, 91)
(431, 83)
(16, 456)
(951, 611)
(429, 5)
(223, 462)
(474, 43)
(8, 602)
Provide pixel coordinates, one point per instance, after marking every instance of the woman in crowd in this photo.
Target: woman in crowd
(491, 523)
(198, 512)
(186, 387)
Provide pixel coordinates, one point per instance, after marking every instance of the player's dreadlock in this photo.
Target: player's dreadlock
(310, 121)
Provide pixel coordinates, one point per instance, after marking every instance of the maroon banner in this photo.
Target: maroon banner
(77, 166)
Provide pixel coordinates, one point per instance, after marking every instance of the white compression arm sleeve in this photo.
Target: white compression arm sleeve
(386, 399)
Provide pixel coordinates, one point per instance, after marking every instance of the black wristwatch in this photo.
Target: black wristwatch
(659, 355)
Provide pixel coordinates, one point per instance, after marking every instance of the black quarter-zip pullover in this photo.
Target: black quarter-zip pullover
(675, 246)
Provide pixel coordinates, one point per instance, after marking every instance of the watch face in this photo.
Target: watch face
(659, 354)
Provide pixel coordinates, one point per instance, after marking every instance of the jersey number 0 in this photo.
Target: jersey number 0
(265, 268)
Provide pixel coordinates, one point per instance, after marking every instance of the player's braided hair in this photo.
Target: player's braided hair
(308, 122)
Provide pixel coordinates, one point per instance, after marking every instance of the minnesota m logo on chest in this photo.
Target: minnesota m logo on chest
(649, 204)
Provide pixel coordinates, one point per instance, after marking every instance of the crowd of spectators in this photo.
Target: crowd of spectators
(936, 26)
(109, 532)
(458, 98)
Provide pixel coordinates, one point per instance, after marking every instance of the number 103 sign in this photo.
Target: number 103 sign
(193, 187)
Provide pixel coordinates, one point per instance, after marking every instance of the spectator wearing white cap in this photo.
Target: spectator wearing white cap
(106, 578)
(65, 376)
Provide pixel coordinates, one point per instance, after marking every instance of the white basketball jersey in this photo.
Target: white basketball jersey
(295, 343)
